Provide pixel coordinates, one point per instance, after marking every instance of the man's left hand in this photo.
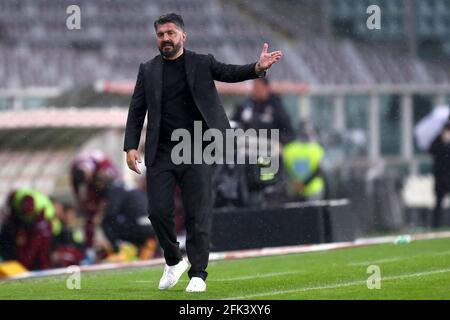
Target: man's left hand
(267, 59)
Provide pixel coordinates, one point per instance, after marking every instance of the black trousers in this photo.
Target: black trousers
(195, 181)
(441, 189)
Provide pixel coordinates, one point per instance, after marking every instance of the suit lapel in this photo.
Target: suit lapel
(157, 80)
(190, 66)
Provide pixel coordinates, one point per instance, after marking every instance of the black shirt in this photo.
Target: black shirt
(178, 106)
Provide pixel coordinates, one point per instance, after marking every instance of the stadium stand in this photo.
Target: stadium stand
(117, 35)
(335, 47)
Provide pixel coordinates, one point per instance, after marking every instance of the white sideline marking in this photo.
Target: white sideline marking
(241, 278)
(443, 253)
(369, 262)
(339, 285)
(257, 276)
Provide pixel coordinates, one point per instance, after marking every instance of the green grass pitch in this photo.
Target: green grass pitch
(419, 270)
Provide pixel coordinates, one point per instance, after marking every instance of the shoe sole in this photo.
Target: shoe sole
(173, 285)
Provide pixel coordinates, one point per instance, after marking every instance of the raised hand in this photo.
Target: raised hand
(267, 59)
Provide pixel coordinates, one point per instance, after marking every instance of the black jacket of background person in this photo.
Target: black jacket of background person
(201, 71)
(269, 114)
(125, 210)
(441, 166)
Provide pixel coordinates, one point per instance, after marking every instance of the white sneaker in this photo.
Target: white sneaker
(172, 274)
(196, 285)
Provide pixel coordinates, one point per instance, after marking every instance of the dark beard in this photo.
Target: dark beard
(172, 52)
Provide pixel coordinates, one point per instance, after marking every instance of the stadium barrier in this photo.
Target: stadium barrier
(291, 224)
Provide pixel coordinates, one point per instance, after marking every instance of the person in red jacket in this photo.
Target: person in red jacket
(90, 200)
(29, 229)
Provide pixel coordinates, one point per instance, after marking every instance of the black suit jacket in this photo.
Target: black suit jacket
(201, 71)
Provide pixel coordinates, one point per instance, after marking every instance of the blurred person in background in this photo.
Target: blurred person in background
(231, 188)
(89, 201)
(29, 229)
(69, 244)
(264, 110)
(440, 151)
(124, 217)
(303, 162)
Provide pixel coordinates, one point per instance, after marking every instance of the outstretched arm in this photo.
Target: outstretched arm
(236, 73)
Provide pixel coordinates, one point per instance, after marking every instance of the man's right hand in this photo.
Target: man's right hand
(133, 157)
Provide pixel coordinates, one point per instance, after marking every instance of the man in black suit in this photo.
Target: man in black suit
(175, 89)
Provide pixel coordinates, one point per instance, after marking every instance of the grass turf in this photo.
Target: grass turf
(419, 270)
